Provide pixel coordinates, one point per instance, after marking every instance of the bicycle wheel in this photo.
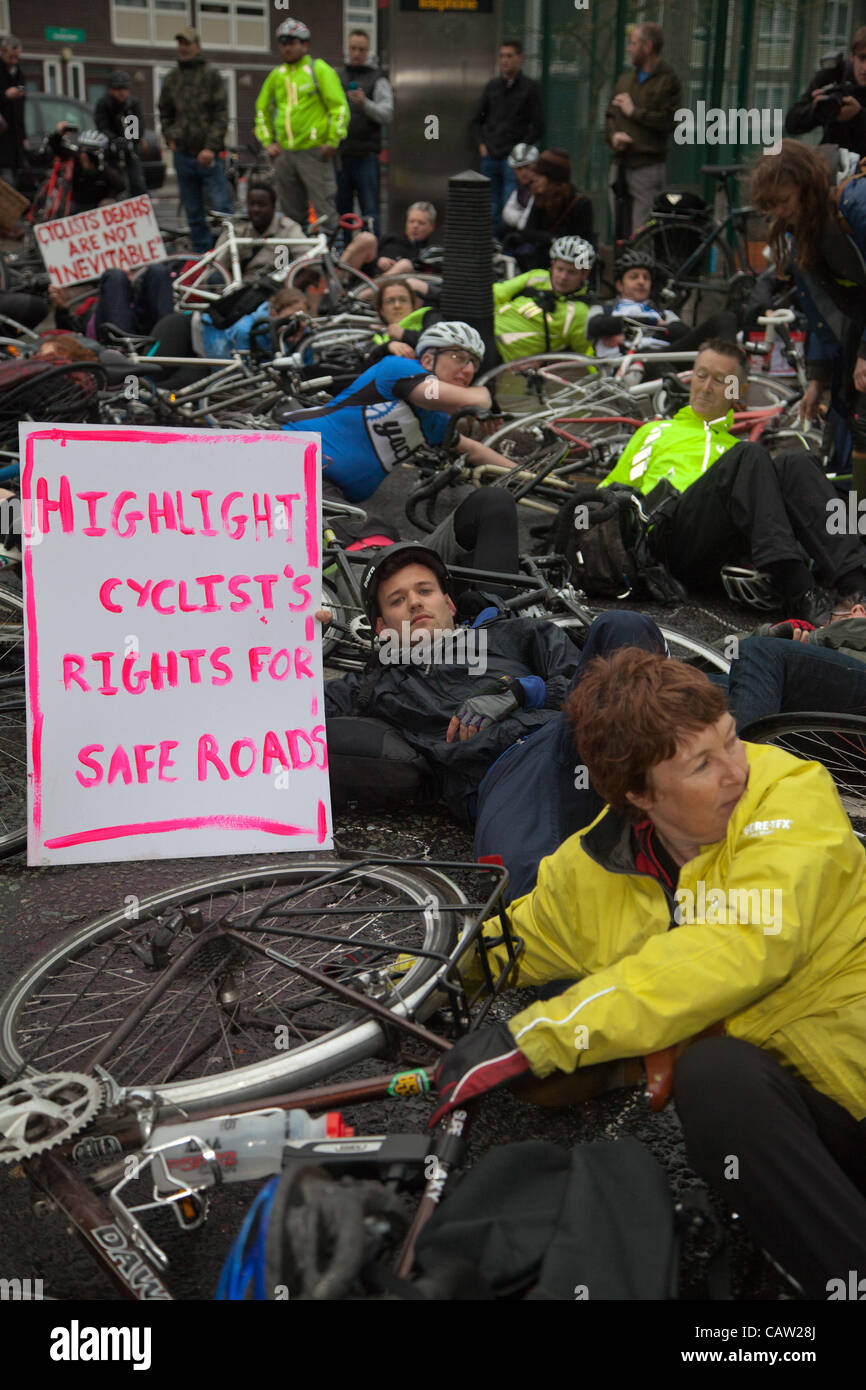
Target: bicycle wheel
(13, 770)
(11, 627)
(672, 245)
(354, 281)
(530, 384)
(231, 1023)
(682, 647)
(836, 740)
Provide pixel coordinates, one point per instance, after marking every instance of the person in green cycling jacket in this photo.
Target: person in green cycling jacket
(738, 502)
(301, 116)
(547, 311)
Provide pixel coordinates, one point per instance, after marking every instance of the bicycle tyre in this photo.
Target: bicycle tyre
(682, 646)
(357, 279)
(39, 1025)
(13, 770)
(838, 741)
(667, 243)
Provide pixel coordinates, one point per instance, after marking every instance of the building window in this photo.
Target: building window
(360, 14)
(837, 25)
(148, 21)
(234, 24)
(5, 26)
(771, 96)
(775, 31)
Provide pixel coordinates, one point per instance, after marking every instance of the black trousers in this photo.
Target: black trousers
(749, 505)
(789, 1160)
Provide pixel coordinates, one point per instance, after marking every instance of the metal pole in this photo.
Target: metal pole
(745, 65)
(717, 79)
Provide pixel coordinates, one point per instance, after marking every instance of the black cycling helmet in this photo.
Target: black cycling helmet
(411, 553)
(636, 260)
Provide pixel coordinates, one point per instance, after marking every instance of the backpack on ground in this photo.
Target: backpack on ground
(603, 533)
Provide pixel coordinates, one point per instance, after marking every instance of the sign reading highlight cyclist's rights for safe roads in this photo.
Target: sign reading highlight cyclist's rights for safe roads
(120, 236)
(174, 665)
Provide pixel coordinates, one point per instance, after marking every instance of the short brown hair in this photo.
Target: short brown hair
(725, 347)
(652, 34)
(858, 43)
(628, 713)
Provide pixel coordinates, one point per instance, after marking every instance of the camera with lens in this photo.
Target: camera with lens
(830, 104)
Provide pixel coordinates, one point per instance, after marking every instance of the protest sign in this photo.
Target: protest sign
(174, 665)
(119, 236)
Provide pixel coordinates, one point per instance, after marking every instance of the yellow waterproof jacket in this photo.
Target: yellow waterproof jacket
(301, 106)
(777, 953)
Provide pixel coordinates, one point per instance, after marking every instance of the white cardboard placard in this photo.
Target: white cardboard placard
(119, 236)
(174, 666)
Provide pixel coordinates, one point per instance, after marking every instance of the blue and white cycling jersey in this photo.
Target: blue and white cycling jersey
(646, 314)
(371, 426)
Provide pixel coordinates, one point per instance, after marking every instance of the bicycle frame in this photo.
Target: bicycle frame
(188, 286)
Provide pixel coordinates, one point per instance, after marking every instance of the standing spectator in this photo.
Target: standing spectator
(371, 103)
(841, 114)
(558, 210)
(301, 118)
(118, 115)
(13, 142)
(638, 124)
(510, 113)
(193, 109)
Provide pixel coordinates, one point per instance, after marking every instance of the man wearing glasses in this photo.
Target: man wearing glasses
(398, 406)
(193, 111)
(301, 117)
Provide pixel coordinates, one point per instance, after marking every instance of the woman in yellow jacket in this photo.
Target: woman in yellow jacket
(721, 891)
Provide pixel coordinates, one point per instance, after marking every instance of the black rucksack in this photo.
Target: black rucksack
(603, 533)
(535, 1221)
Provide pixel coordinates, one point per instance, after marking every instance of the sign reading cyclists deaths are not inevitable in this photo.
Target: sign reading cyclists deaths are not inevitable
(174, 665)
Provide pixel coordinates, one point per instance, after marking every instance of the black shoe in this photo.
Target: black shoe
(815, 606)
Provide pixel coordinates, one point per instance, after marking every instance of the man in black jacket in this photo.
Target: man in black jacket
(13, 141)
(841, 114)
(440, 701)
(118, 115)
(510, 113)
(371, 104)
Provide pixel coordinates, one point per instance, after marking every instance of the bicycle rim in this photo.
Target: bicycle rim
(234, 1024)
(838, 741)
(682, 647)
(13, 772)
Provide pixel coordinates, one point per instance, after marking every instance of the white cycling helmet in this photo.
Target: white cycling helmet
(92, 140)
(574, 249)
(749, 586)
(450, 334)
(293, 29)
(523, 155)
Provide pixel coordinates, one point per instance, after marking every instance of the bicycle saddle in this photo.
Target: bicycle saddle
(721, 171)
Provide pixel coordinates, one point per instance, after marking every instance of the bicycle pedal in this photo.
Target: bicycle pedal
(191, 1211)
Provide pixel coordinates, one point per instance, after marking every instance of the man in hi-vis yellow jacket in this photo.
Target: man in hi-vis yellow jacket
(301, 117)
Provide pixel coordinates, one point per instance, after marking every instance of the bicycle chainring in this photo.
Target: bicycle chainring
(40, 1112)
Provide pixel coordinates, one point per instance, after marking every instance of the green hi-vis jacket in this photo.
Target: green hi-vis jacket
(782, 964)
(302, 105)
(519, 320)
(681, 450)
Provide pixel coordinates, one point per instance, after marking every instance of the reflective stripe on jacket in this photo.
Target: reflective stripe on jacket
(301, 106)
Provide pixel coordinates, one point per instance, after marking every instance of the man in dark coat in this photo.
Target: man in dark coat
(118, 115)
(510, 113)
(13, 139)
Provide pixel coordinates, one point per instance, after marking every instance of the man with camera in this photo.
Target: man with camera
(836, 100)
